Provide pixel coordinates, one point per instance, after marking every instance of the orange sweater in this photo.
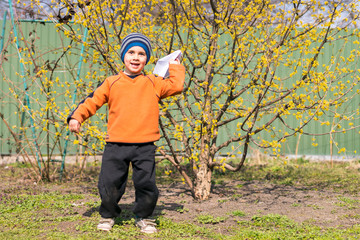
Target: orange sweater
(133, 104)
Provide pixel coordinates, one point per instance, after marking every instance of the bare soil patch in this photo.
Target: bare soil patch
(320, 207)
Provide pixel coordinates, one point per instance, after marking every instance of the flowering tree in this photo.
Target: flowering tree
(251, 65)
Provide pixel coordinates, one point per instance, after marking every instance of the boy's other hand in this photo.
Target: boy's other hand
(175, 61)
(74, 126)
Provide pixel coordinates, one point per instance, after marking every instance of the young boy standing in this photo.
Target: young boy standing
(132, 130)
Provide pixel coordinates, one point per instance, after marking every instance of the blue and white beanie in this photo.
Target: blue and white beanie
(135, 39)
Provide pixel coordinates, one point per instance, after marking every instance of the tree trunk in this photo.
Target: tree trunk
(202, 184)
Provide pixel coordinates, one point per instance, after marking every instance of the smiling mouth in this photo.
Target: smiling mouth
(135, 64)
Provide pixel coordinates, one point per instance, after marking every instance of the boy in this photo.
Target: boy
(132, 130)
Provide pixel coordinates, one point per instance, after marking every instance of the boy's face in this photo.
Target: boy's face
(135, 60)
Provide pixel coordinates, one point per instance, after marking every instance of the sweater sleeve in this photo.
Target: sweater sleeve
(172, 85)
(91, 103)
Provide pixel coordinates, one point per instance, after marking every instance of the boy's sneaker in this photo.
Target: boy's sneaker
(106, 224)
(146, 225)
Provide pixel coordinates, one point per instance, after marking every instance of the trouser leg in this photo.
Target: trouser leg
(146, 192)
(112, 179)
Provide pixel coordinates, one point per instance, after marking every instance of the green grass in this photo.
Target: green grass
(208, 219)
(238, 213)
(38, 213)
(347, 202)
(343, 176)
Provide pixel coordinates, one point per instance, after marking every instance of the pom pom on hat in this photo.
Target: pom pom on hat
(135, 39)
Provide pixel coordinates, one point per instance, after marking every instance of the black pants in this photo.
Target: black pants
(114, 174)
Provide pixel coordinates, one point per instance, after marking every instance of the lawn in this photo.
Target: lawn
(293, 199)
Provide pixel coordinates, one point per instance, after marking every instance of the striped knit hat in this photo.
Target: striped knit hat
(135, 39)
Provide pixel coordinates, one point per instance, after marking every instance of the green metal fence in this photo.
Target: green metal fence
(47, 47)
(44, 38)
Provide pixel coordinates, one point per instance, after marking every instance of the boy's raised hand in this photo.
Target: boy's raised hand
(74, 126)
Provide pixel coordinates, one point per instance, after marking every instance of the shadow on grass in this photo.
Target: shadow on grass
(127, 211)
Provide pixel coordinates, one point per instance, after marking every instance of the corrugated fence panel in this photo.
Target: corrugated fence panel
(46, 39)
(46, 46)
(10, 64)
(344, 144)
(320, 145)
